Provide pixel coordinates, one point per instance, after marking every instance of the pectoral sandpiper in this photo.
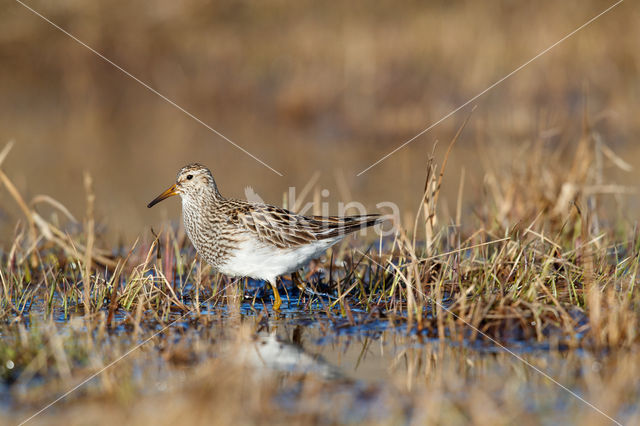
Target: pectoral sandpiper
(243, 239)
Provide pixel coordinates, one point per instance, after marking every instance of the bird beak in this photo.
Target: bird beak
(166, 194)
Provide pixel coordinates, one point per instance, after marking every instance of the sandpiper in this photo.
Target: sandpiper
(244, 239)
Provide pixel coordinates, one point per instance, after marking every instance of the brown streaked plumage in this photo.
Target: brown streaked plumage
(244, 239)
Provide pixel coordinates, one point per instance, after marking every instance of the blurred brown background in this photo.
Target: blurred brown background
(305, 86)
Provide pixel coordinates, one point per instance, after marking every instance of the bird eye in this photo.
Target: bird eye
(189, 177)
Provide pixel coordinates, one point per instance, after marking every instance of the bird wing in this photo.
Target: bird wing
(285, 229)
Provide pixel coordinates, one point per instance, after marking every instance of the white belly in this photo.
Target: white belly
(257, 260)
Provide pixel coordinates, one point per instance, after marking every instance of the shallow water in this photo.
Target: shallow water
(380, 367)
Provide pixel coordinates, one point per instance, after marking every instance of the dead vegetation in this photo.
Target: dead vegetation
(543, 268)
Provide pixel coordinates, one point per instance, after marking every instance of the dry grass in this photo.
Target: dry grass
(540, 265)
(516, 236)
(536, 272)
(211, 374)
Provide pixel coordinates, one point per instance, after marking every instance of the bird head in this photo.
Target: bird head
(192, 181)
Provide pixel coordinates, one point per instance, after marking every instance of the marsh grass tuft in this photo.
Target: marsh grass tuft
(541, 266)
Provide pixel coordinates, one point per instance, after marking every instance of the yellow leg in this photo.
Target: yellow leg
(277, 302)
